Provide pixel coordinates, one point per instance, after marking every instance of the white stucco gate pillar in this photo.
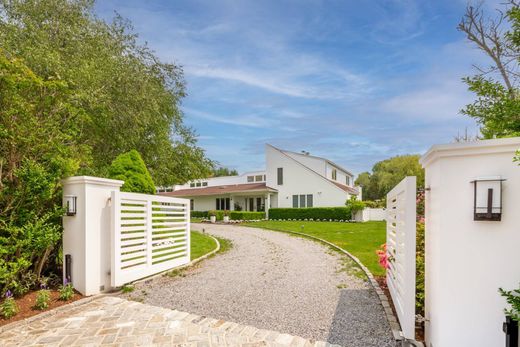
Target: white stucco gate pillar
(86, 234)
(472, 238)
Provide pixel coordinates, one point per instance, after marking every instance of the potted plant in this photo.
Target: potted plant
(226, 216)
(212, 216)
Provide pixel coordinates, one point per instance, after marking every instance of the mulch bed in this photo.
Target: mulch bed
(26, 304)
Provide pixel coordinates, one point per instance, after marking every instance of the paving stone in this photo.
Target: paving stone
(109, 321)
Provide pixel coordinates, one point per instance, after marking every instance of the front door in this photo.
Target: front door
(258, 204)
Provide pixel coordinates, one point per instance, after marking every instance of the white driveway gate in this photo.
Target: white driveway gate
(400, 242)
(150, 234)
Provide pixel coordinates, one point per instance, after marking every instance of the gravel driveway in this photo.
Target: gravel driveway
(275, 281)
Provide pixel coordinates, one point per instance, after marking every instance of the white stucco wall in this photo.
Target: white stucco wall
(466, 260)
(316, 164)
(297, 179)
(86, 236)
(340, 175)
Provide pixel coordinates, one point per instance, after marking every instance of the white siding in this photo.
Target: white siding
(297, 179)
(340, 175)
(315, 164)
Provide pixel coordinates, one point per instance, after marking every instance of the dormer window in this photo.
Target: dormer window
(347, 180)
(334, 174)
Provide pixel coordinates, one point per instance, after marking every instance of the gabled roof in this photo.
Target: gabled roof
(316, 157)
(223, 189)
(344, 188)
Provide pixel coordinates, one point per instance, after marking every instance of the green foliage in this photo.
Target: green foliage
(322, 213)
(387, 174)
(513, 299)
(497, 104)
(212, 213)
(43, 299)
(66, 292)
(419, 289)
(354, 205)
(130, 167)
(517, 157)
(8, 308)
(375, 203)
(201, 244)
(247, 215)
(127, 288)
(224, 171)
(120, 95)
(199, 214)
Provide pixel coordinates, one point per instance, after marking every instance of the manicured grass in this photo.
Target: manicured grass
(201, 244)
(360, 239)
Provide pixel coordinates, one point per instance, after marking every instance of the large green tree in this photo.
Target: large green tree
(130, 168)
(387, 173)
(497, 104)
(224, 171)
(129, 98)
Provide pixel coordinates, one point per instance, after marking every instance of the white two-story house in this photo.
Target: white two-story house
(290, 180)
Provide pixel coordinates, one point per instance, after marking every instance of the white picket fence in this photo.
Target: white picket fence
(400, 242)
(150, 234)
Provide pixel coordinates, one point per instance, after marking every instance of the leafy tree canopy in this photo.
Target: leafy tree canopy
(497, 104)
(127, 98)
(387, 174)
(224, 171)
(130, 167)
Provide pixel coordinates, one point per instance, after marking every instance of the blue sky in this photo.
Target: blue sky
(354, 81)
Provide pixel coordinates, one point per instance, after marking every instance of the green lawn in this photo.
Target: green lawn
(360, 239)
(201, 244)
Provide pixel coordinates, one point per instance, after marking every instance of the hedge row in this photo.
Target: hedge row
(246, 215)
(334, 213)
(234, 215)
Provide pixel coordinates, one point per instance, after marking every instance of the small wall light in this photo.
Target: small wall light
(487, 200)
(70, 204)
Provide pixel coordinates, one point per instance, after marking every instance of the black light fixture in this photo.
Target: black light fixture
(487, 199)
(70, 202)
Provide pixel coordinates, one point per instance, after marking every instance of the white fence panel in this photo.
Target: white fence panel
(400, 242)
(150, 234)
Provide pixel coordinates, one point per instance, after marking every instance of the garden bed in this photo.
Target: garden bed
(26, 305)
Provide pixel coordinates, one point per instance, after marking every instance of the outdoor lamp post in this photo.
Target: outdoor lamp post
(487, 200)
(70, 202)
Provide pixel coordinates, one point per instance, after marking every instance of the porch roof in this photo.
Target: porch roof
(224, 189)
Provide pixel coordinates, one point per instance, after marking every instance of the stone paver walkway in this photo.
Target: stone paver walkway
(111, 321)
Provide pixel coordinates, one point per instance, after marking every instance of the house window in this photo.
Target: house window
(334, 174)
(280, 176)
(251, 204)
(309, 200)
(192, 204)
(302, 200)
(295, 201)
(250, 179)
(259, 206)
(264, 177)
(222, 203)
(258, 178)
(199, 184)
(347, 180)
(192, 185)
(204, 184)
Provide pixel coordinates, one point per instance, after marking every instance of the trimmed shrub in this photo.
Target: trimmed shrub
(325, 213)
(246, 215)
(130, 167)
(199, 214)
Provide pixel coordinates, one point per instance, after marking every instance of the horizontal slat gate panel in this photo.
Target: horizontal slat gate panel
(400, 246)
(149, 234)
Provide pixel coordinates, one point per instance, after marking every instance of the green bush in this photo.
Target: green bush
(43, 299)
(419, 291)
(334, 213)
(354, 205)
(246, 215)
(199, 214)
(130, 167)
(375, 203)
(66, 292)
(8, 308)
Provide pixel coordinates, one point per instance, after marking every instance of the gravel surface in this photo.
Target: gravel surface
(275, 281)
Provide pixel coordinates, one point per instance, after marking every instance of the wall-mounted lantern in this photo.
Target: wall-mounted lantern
(487, 201)
(70, 202)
